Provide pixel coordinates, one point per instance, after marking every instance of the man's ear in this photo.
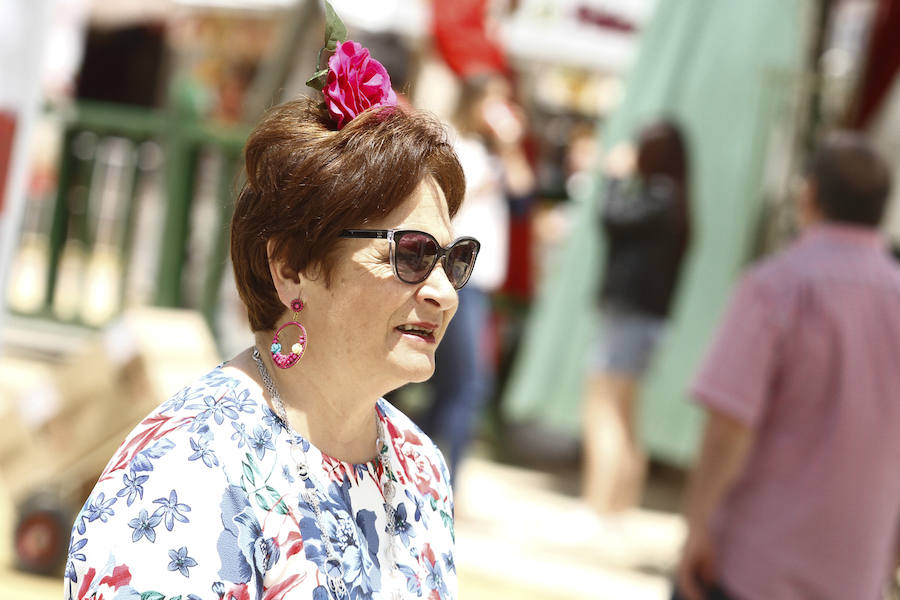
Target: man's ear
(286, 279)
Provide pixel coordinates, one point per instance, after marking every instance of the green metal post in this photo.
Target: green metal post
(219, 257)
(60, 217)
(180, 168)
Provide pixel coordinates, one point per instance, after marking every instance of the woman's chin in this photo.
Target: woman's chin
(418, 369)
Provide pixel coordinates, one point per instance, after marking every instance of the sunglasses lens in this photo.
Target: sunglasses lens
(415, 255)
(460, 261)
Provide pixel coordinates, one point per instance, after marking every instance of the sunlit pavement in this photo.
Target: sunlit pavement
(516, 538)
(519, 538)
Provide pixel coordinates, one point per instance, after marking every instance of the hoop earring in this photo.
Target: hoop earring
(286, 361)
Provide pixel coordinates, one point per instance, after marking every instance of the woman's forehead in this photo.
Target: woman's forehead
(425, 209)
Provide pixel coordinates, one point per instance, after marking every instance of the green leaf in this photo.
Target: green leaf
(281, 508)
(152, 596)
(448, 523)
(261, 500)
(252, 463)
(178, 597)
(275, 494)
(248, 473)
(335, 30)
(318, 80)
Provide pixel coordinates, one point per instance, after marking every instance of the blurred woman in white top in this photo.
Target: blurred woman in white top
(490, 129)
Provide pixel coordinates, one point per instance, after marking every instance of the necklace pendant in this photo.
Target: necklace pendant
(390, 514)
(302, 471)
(389, 491)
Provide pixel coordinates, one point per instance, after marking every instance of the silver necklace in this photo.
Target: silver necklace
(336, 583)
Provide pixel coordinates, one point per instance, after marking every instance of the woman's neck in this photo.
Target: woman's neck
(325, 406)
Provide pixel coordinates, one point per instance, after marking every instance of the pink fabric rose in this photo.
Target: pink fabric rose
(356, 81)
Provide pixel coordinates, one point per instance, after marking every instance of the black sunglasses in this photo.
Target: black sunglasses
(415, 253)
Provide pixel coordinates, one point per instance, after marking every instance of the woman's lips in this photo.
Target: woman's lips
(423, 331)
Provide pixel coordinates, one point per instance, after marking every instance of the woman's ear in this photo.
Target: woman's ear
(285, 278)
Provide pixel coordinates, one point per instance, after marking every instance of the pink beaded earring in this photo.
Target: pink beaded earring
(286, 361)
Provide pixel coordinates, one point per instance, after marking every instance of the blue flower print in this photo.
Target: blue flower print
(144, 525)
(81, 521)
(449, 563)
(215, 409)
(272, 420)
(100, 509)
(420, 504)
(320, 593)
(412, 580)
(142, 461)
(204, 452)
(286, 473)
(402, 527)
(177, 401)
(181, 561)
(218, 589)
(171, 510)
(361, 572)
(360, 563)
(261, 441)
(245, 555)
(240, 433)
(74, 555)
(134, 487)
(265, 552)
(215, 379)
(435, 578)
(245, 403)
(354, 540)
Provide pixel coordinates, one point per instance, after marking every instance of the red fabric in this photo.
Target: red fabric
(7, 135)
(120, 576)
(882, 62)
(519, 273)
(461, 38)
(86, 582)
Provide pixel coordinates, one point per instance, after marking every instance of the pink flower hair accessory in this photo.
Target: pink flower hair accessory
(353, 80)
(356, 81)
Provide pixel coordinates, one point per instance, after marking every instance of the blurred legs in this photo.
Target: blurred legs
(462, 379)
(614, 463)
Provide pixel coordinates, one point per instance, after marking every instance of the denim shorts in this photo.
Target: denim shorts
(625, 340)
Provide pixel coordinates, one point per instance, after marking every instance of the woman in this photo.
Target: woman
(645, 221)
(283, 473)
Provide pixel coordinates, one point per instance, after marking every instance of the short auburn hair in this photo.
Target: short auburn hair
(306, 183)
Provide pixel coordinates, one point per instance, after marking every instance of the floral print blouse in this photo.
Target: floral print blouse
(203, 502)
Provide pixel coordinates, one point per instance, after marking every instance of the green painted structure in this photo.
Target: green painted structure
(729, 72)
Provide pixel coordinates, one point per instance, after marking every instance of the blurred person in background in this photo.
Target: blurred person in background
(796, 492)
(277, 477)
(646, 221)
(490, 128)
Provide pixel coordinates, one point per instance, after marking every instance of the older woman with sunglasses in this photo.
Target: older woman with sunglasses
(284, 473)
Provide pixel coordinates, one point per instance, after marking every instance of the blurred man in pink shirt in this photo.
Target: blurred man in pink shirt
(796, 492)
